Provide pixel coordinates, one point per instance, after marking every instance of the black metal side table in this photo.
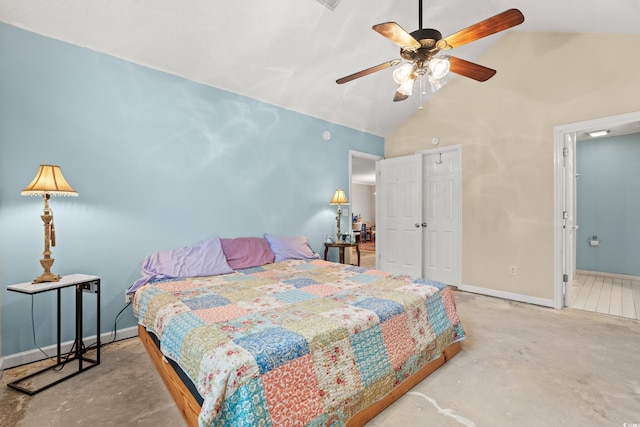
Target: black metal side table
(82, 283)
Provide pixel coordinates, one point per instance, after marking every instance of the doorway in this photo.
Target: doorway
(362, 207)
(565, 224)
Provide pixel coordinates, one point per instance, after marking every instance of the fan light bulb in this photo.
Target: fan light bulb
(439, 67)
(406, 87)
(436, 84)
(402, 73)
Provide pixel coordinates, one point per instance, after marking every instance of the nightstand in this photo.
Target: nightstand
(341, 247)
(83, 283)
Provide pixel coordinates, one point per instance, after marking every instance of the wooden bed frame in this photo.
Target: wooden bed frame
(190, 408)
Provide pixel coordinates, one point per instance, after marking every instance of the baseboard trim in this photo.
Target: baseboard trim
(36, 355)
(507, 295)
(602, 274)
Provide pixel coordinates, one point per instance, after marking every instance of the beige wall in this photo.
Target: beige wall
(506, 128)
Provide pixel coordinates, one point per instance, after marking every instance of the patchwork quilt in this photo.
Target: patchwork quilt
(298, 342)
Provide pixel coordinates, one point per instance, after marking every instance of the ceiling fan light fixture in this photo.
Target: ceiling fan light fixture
(402, 73)
(439, 67)
(436, 84)
(418, 48)
(406, 87)
(330, 4)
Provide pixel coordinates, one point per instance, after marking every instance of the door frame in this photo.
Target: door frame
(564, 250)
(361, 155)
(367, 156)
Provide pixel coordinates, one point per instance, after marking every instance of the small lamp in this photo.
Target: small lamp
(48, 181)
(339, 198)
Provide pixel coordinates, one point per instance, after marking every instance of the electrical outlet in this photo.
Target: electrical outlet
(127, 298)
(512, 270)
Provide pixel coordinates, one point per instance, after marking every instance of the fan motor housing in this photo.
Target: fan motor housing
(427, 37)
(427, 34)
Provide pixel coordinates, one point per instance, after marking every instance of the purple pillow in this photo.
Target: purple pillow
(290, 247)
(202, 259)
(246, 252)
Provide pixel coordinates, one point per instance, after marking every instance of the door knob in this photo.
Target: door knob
(417, 225)
(424, 225)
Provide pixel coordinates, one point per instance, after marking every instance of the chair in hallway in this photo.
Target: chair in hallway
(365, 232)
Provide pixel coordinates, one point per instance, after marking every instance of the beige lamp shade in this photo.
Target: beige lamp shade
(49, 180)
(339, 198)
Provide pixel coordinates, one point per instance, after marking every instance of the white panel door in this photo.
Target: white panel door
(399, 212)
(441, 206)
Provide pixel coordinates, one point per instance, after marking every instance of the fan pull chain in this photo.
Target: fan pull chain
(422, 91)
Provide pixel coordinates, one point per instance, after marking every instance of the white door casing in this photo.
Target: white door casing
(569, 216)
(350, 253)
(564, 176)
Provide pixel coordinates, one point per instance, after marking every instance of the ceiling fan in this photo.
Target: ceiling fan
(420, 48)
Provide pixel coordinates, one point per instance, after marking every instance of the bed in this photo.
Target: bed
(294, 341)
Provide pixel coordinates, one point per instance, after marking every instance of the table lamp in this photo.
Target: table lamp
(339, 198)
(48, 182)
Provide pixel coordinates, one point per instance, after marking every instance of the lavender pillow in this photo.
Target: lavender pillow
(290, 247)
(202, 259)
(246, 252)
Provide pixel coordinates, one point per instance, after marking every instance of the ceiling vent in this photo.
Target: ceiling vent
(331, 4)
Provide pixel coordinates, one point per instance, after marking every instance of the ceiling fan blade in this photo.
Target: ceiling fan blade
(470, 69)
(398, 35)
(399, 96)
(495, 24)
(368, 71)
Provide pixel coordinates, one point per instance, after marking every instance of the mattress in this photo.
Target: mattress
(298, 342)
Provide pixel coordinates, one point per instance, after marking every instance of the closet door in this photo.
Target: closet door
(441, 208)
(399, 212)
(419, 215)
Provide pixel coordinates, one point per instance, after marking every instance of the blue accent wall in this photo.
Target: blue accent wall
(159, 162)
(608, 204)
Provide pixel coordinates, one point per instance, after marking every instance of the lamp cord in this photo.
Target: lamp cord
(114, 331)
(33, 331)
(71, 351)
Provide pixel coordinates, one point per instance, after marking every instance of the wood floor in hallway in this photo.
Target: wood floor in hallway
(367, 259)
(608, 294)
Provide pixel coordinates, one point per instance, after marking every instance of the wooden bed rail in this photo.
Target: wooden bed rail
(185, 401)
(367, 414)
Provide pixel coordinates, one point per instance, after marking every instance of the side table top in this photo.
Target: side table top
(340, 245)
(34, 288)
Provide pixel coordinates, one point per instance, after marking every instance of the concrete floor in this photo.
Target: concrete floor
(521, 365)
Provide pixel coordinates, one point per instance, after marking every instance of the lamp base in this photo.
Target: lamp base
(47, 276)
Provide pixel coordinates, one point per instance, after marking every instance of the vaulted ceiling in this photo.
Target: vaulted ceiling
(290, 52)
